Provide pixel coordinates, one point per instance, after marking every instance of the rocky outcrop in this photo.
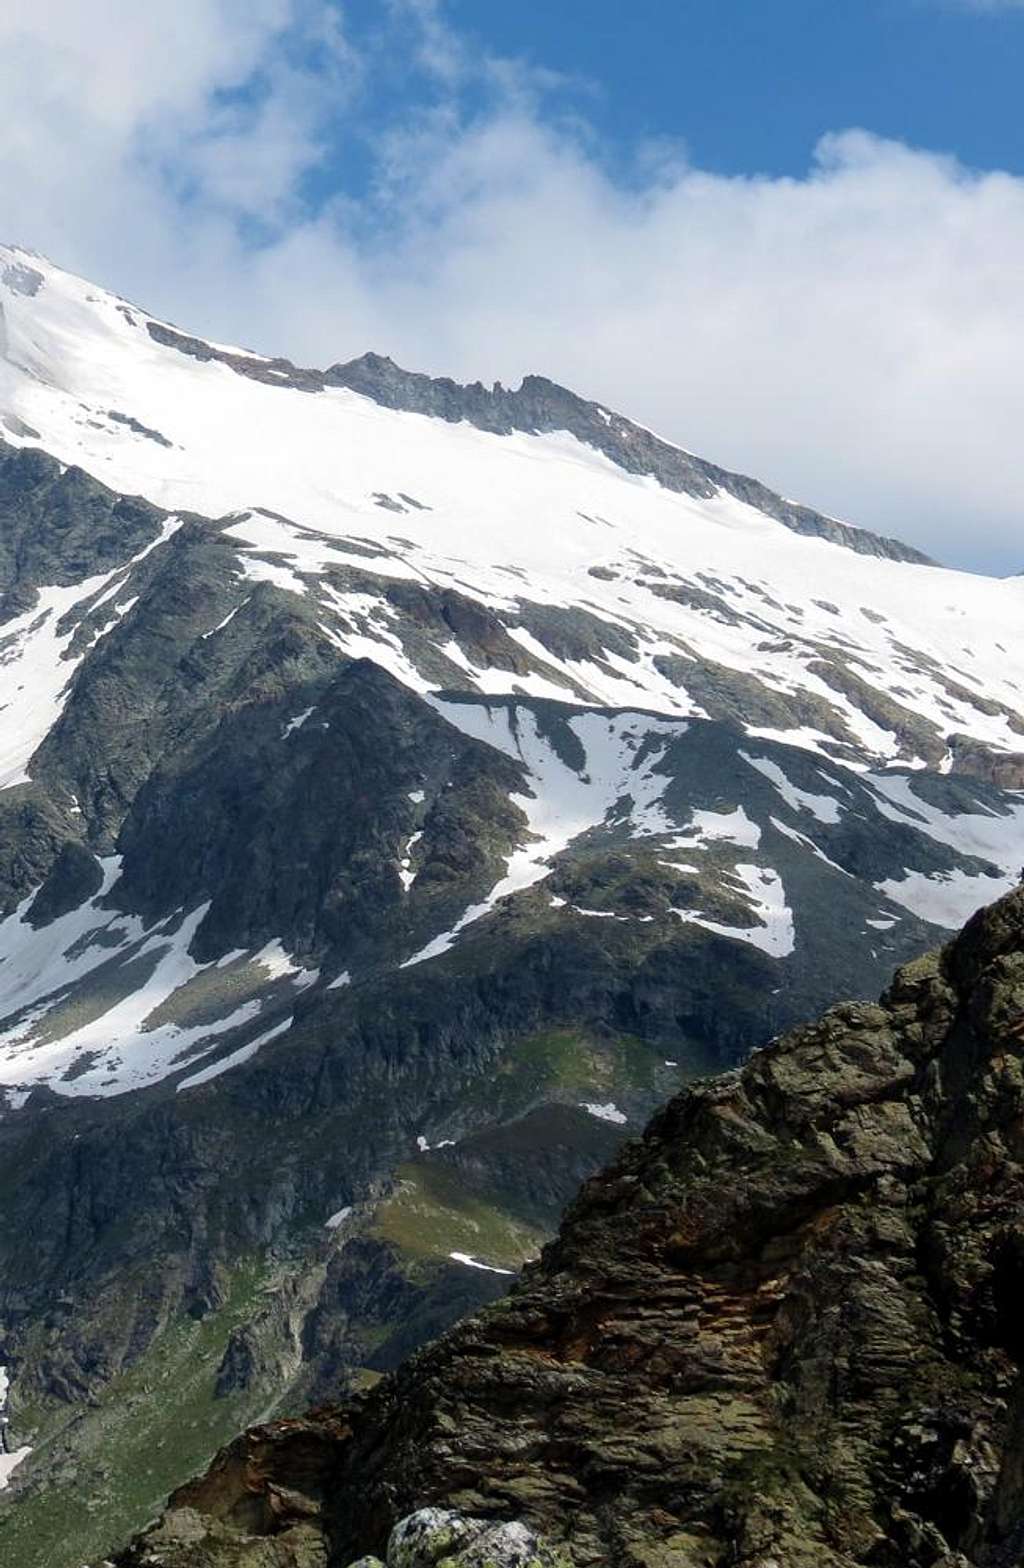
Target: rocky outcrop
(438, 1536)
(783, 1328)
(976, 760)
(428, 1538)
(59, 526)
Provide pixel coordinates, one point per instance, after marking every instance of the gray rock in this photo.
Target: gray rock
(443, 1538)
(21, 279)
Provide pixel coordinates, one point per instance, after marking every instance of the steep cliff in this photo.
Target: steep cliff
(783, 1328)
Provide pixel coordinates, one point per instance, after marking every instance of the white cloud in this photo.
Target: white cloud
(117, 116)
(854, 336)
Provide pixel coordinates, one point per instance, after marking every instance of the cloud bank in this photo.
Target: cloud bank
(854, 337)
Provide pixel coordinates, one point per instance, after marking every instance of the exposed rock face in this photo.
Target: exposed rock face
(783, 1328)
(978, 761)
(60, 526)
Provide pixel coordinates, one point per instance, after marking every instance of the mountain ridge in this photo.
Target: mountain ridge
(539, 405)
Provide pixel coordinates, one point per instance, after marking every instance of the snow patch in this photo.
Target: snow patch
(473, 1263)
(619, 782)
(297, 723)
(824, 807)
(126, 1039)
(244, 1054)
(605, 1113)
(10, 1459)
(947, 898)
(35, 670)
(407, 875)
(764, 892)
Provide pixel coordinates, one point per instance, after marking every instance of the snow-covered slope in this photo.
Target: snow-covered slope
(590, 624)
(506, 520)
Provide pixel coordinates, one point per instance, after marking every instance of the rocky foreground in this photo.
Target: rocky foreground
(783, 1330)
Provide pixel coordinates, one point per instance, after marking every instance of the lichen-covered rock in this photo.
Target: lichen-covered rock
(426, 1538)
(442, 1538)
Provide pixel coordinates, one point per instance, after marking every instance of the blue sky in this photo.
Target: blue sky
(751, 85)
(744, 86)
(788, 234)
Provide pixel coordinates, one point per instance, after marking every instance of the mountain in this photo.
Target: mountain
(406, 789)
(784, 1326)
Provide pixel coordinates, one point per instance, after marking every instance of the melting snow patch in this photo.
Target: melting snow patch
(807, 843)
(279, 966)
(408, 877)
(37, 962)
(767, 897)
(340, 980)
(338, 1219)
(10, 1462)
(221, 624)
(564, 803)
(35, 674)
(825, 807)
(132, 1037)
(997, 836)
(947, 899)
(735, 827)
(236, 1058)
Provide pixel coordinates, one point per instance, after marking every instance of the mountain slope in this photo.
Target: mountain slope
(784, 1326)
(150, 649)
(426, 514)
(404, 789)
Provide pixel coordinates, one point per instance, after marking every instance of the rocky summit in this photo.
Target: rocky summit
(406, 788)
(782, 1328)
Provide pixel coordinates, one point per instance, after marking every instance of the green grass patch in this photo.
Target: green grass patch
(108, 1469)
(431, 1215)
(574, 1065)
